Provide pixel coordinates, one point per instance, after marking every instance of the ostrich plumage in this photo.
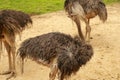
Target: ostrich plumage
(85, 10)
(11, 23)
(63, 54)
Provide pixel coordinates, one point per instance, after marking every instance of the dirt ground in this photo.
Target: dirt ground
(104, 65)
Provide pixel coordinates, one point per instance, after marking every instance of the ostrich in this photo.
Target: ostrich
(11, 23)
(85, 10)
(61, 53)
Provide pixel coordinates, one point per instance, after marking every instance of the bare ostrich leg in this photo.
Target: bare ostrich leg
(87, 35)
(10, 47)
(53, 72)
(88, 30)
(77, 21)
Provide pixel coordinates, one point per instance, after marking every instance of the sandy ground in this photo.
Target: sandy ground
(104, 65)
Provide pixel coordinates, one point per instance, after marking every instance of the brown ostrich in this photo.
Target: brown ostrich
(85, 10)
(61, 53)
(11, 23)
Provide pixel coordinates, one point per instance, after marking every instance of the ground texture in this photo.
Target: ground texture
(104, 65)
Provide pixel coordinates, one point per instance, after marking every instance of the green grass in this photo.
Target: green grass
(37, 6)
(32, 6)
(111, 1)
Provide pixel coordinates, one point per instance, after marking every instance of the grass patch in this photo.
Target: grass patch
(37, 6)
(32, 6)
(111, 1)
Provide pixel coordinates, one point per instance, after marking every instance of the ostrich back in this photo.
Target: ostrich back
(22, 18)
(12, 22)
(47, 46)
(89, 6)
(96, 6)
(57, 48)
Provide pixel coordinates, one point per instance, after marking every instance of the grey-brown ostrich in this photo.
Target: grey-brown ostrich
(63, 54)
(85, 10)
(11, 23)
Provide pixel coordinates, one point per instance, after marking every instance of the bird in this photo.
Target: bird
(12, 22)
(85, 10)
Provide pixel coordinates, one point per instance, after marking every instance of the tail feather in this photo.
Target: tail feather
(21, 55)
(22, 18)
(102, 11)
(13, 22)
(10, 25)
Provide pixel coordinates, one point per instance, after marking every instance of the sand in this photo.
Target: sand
(104, 65)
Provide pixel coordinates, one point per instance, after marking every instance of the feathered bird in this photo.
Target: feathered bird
(63, 54)
(11, 23)
(85, 10)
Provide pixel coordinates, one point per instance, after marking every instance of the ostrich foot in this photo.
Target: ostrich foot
(11, 74)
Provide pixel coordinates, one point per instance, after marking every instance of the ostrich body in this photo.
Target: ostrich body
(11, 23)
(63, 54)
(85, 10)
